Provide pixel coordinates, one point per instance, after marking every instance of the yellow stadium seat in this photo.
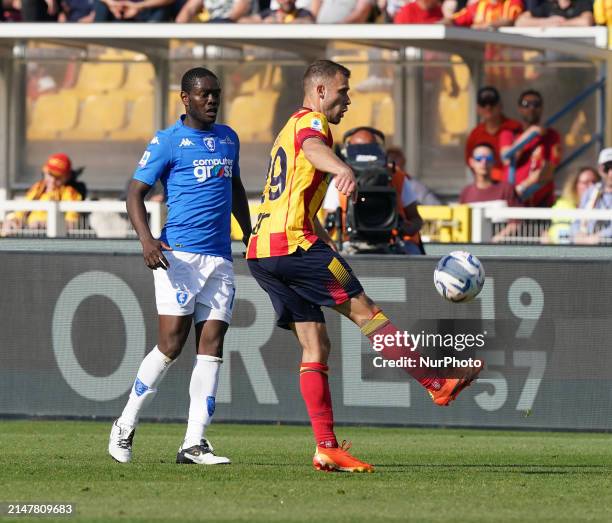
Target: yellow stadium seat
(140, 122)
(249, 120)
(359, 114)
(121, 55)
(100, 115)
(175, 107)
(384, 117)
(51, 114)
(454, 117)
(139, 80)
(98, 78)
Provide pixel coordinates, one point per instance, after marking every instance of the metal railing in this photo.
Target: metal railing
(531, 224)
(97, 219)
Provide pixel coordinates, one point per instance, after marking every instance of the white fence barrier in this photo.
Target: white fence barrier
(108, 219)
(97, 219)
(530, 225)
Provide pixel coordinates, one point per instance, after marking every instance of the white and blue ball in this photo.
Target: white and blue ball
(459, 276)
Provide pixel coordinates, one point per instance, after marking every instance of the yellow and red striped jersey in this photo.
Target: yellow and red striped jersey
(485, 11)
(293, 192)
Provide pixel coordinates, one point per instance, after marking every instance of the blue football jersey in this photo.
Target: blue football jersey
(195, 168)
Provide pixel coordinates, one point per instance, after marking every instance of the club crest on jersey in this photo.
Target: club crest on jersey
(181, 297)
(316, 124)
(209, 142)
(145, 158)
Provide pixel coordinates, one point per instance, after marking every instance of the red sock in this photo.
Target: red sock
(381, 325)
(315, 391)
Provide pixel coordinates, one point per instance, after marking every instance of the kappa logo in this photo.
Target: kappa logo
(227, 141)
(145, 158)
(154, 141)
(209, 142)
(186, 142)
(181, 297)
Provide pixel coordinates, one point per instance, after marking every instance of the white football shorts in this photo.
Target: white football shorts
(196, 284)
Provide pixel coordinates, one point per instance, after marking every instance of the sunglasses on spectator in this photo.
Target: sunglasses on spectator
(533, 104)
(486, 157)
(491, 101)
(607, 167)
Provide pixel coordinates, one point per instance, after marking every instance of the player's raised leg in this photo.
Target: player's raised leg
(173, 331)
(372, 321)
(314, 386)
(196, 449)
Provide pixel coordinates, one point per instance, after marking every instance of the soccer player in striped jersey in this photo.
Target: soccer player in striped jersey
(294, 261)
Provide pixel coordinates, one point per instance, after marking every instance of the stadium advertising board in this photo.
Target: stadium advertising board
(76, 326)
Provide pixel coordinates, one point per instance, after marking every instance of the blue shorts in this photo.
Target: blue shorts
(300, 283)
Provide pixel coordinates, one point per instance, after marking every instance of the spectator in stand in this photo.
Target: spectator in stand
(492, 122)
(530, 168)
(557, 13)
(390, 8)
(485, 189)
(214, 11)
(598, 196)
(424, 195)
(420, 12)
(133, 10)
(287, 13)
(11, 11)
(274, 4)
(602, 12)
(39, 10)
(56, 185)
(488, 14)
(343, 11)
(573, 189)
(77, 11)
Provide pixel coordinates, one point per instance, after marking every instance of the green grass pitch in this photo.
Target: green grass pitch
(421, 475)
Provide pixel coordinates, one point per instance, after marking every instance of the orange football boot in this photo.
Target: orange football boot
(339, 460)
(453, 386)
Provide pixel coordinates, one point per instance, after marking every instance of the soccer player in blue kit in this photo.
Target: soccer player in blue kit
(197, 162)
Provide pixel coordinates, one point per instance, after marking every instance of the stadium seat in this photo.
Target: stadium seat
(384, 116)
(454, 108)
(139, 80)
(359, 114)
(250, 122)
(52, 114)
(94, 78)
(139, 123)
(175, 107)
(99, 115)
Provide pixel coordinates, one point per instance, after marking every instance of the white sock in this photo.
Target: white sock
(202, 392)
(152, 370)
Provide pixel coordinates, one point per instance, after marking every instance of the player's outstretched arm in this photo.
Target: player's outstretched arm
(240, 208)
(151, 248)
(323, 159)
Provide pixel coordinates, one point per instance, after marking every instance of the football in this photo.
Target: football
(459, 276)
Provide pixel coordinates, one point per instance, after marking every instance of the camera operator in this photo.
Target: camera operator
(406, 238)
